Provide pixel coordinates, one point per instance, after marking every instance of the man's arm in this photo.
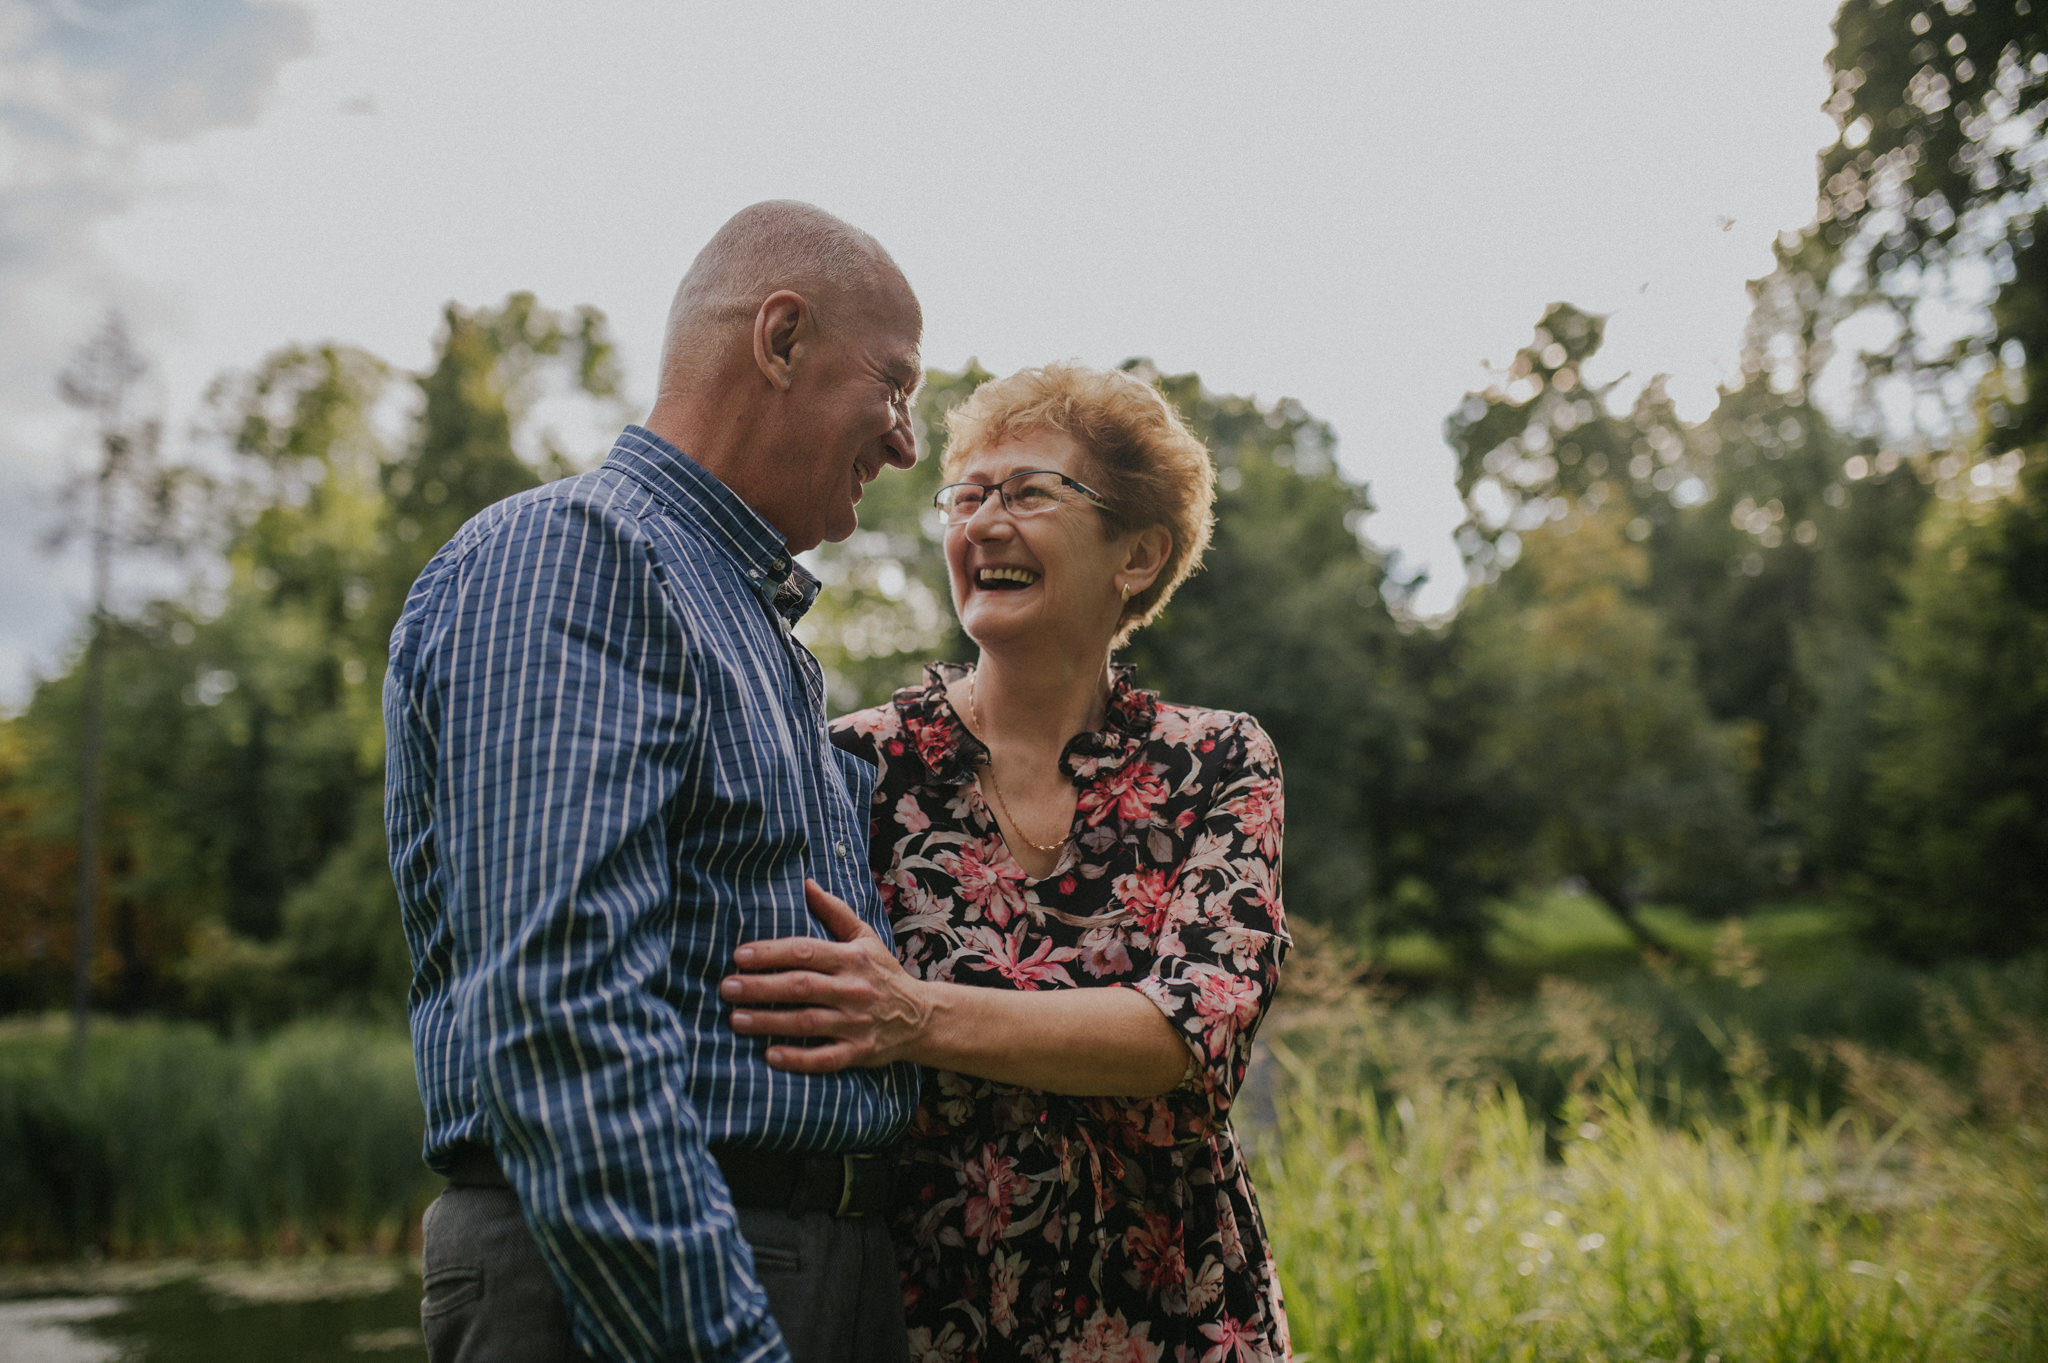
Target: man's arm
(565, 724)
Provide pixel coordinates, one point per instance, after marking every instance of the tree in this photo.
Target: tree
(1771, 540)
(130, 497)
(245, 771)
(1630, 783)
(1930, 201)
(1929, 196)
(1288, 619)
(1959, 859)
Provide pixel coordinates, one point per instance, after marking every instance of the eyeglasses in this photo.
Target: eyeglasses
(1030, 493)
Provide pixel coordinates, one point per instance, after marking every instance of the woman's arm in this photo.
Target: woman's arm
(854, 993)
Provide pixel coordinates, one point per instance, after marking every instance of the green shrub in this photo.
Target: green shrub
(178, 1140)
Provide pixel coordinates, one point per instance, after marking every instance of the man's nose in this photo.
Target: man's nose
(901, 442)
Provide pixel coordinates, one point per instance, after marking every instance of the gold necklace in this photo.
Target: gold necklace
(995, 787)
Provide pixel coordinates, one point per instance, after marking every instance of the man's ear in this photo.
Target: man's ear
(1147, 556)
(782, 329)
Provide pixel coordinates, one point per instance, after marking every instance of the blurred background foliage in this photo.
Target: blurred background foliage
(1794, 650)
(1675, 907)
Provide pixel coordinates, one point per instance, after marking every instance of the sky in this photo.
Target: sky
(1360, 205)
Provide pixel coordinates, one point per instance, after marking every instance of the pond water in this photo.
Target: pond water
(307, 1311)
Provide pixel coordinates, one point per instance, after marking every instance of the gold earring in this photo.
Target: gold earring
(1127, 593)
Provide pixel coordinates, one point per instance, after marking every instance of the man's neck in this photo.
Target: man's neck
(724, 440)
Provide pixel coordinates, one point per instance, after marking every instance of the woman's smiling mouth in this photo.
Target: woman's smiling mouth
(1004, 579)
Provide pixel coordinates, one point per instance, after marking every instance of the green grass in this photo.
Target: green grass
(1772, 1147)
(1557, 1177)
(1441, 1227)
(1573, 933)
(180, 1141)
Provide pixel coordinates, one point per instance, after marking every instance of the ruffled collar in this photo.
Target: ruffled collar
(952, 753)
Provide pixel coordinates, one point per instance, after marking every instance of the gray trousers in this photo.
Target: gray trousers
(831, 1285)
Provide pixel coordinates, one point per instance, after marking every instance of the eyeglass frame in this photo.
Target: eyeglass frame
(1089, 493)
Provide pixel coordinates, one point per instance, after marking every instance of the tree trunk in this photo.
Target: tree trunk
(88, 839)
(1614, 893)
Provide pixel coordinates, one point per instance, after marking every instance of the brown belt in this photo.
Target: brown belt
(859, 1184)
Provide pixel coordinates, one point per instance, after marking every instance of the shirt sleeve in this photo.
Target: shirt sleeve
(560, 672)
(1222, 934)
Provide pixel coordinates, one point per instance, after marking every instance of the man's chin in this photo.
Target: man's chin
(844, 524)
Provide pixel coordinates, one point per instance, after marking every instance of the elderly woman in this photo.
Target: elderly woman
(1084, 882)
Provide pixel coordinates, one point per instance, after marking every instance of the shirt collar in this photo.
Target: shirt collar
(951, 751)
(739, 531)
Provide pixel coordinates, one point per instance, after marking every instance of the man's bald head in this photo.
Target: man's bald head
(773, 246)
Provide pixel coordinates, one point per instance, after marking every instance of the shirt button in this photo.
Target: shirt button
(839, 850)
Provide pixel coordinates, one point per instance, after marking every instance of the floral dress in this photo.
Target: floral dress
(1065, 1230)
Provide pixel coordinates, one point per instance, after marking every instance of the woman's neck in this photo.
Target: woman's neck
(1040, 702)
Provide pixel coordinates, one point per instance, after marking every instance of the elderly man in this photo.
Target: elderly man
(608, 767)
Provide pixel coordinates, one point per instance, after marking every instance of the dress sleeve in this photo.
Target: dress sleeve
(560, 674)
(1220, 934)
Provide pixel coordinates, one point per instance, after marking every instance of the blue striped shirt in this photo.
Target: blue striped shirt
(608, 766)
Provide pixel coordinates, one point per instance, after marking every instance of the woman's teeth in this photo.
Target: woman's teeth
(1005, 578)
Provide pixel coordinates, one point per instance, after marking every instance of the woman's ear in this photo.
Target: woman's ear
(782, 326)
(1146, 557)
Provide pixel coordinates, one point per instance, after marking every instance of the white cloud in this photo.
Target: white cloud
(88, 86)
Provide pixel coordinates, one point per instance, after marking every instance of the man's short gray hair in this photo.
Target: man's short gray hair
(779, 244)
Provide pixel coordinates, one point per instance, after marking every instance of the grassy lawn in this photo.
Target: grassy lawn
(1565, 933)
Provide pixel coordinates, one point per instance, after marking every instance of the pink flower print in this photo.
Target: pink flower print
(1129, 794)
(1108, 1339)
(1175, 725)
(933, 738)
(1227, 1002)
(1154, 1245)
(1005, 954)
(910, 815)
(1159, 908)
(1232, 1240)
(1103, 953)
(993, 1187)
(1207, 1285)
(1262, 878)
(1259, 814)
(1231, 1341)
(1148, 896)
(1240, 943)
(1006, 1272)
(872, 723)
(989, 879)
(945, 1347)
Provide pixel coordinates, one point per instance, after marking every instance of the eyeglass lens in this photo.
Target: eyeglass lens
(1023, 494)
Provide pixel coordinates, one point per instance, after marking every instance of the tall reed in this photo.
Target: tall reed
(178, 1140)
(1422, 1207)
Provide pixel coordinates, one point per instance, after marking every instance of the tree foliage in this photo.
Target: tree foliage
(1959, 856)
(244, 849)
(1630, 784)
